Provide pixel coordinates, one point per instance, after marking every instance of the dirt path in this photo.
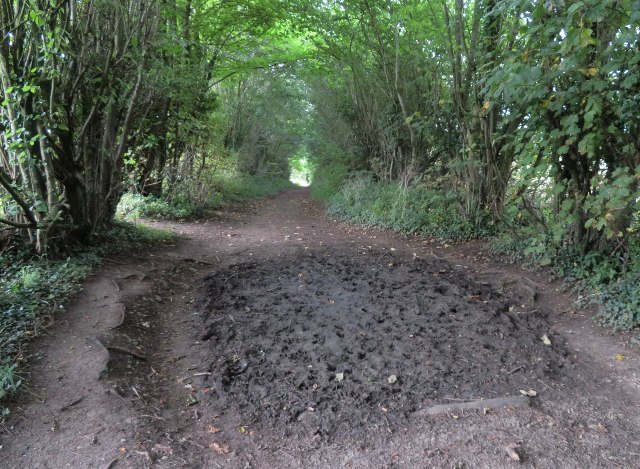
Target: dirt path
(274, 337)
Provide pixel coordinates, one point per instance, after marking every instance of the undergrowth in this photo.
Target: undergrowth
(611, 282)
(33, 288)
(183, 203)
(133, 206)
(411, 209)
(239, 188)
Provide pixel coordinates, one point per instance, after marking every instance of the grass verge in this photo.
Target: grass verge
(412, 209)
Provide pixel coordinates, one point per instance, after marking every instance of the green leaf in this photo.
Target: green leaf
(586, 146)
(567, 205)
(630, 81)
(575, 7)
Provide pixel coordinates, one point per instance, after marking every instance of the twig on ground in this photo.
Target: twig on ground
(113, 260)
(230, 276)
(72, 403)
(126, 352)
(521, 367)
(420, 383)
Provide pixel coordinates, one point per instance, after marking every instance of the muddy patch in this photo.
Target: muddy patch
(324, 342)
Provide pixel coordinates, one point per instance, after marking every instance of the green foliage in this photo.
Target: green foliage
(224, 187)
(412, 209)
(34, 288)
(618, 296)
(301, 168)
(619, 303)
(266, 115)
(610, 281)
(244, 187)
(328, 179)
(9, 382)
(573, 74)
(29, 292)
(134, 206)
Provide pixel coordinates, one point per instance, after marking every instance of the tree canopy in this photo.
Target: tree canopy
(525, 113)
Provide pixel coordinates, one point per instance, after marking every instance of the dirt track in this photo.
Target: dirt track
(273, 337)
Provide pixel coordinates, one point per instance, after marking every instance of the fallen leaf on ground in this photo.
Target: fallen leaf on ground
(144, 454)
(163, 449)
(598, 427)
(620, 357)
(511, 451)
(213, 429)
(219, 449)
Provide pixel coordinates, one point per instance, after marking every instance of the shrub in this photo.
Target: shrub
(412, 209)
(134, 206)
(328, 178)
(620, 303)
(223, 188)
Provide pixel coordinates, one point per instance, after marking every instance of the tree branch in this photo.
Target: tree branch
(18, 225)
(5, 181)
